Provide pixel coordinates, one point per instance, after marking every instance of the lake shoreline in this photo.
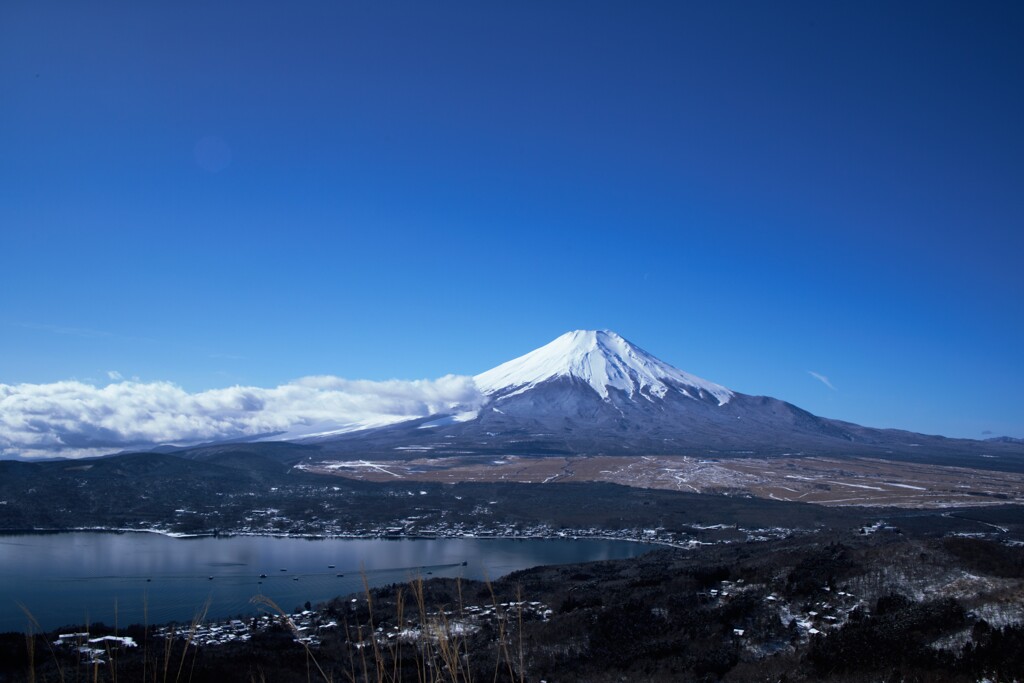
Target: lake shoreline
(600, 536)
(111, 575)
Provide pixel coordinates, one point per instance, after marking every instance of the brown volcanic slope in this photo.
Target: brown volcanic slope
(824, 480)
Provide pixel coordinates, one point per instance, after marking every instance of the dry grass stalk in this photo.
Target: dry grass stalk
(33, 625)
(196, 620)
(264, 601)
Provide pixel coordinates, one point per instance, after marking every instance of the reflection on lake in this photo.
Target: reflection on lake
(77, 578)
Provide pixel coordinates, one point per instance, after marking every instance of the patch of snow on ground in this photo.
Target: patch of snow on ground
(355, 465)
(322, 431)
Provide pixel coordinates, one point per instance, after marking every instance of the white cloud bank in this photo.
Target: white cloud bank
(75, 419)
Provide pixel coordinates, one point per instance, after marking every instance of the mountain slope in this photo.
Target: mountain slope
(595, 393)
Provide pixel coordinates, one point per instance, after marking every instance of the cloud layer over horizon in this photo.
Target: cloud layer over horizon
(77, 419)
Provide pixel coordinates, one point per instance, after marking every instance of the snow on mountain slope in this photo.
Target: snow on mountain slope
(326, 430)
(602, 359)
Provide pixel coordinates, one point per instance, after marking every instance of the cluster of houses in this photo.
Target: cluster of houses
(272, 521)
(93, 651)
(309, 626)
(306, 626)
(814, 617)
(443, 624)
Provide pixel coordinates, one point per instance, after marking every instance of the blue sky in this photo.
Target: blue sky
(753, 192)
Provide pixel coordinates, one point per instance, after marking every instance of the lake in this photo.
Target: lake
(134, 578)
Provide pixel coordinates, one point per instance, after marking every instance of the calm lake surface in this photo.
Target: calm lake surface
(78, 578)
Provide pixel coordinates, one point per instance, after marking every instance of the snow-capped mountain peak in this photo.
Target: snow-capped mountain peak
(602, 359)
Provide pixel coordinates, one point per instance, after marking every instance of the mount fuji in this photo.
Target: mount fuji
(595, 393)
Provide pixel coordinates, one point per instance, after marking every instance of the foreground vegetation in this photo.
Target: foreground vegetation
(828, 606)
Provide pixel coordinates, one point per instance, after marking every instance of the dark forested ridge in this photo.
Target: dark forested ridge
(258, 491)
(225, 493)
